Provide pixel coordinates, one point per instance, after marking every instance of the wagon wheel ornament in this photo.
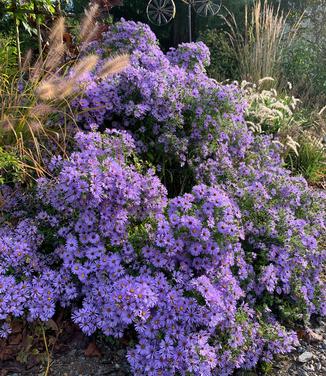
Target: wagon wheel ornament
(207, 8)
(160, 12)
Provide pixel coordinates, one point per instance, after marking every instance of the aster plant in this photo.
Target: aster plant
(170, 220)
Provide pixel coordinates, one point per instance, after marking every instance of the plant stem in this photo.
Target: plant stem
(46, 373)
(19, 57)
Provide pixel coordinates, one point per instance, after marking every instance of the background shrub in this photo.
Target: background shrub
(8, 57)
(298, 130)
(224, 64)
(304, 65)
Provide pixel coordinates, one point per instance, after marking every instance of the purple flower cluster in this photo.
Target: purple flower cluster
(28, 282)
(190, 56)
(62, 231)
(134, 38)
(284, 224)
(204, 279)
(283, 221)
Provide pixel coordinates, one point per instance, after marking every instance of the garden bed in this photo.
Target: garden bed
(160, 226)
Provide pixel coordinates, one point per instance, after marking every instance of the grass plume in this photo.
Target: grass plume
(88, 26)
(57, 31)
(114, 65)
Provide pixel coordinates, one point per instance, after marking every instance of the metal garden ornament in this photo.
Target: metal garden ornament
(161, 12)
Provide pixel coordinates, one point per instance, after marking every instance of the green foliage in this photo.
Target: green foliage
(273, 112)
(271, 43)
(11, 168)
(304, 65)
(23, 11)
(224, 63)
(8, 56)
(266, 368)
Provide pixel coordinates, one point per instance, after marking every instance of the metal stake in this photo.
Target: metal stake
(189, 21)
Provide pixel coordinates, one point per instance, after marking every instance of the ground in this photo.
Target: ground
(78, 355)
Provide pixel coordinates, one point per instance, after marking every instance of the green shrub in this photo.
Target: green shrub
(304, 65)
(224, 64)
(274, 113)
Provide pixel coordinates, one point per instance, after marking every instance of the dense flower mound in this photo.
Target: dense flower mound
(203, 280)
(166, 102)
(190, 56)
(102, 238)
(28, 284)
(190, 120)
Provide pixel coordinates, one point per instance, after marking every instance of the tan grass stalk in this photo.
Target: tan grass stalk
(90, 37)
(67, 88)
(322, 111)
(5, 125)
(27, 61)
(54, 57)
(49, 86)
(35, 126)
(36, 71)
(48, 89)
(265, 79)
(60, 88)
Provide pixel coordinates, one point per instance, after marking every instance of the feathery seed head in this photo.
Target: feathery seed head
(114, 65)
